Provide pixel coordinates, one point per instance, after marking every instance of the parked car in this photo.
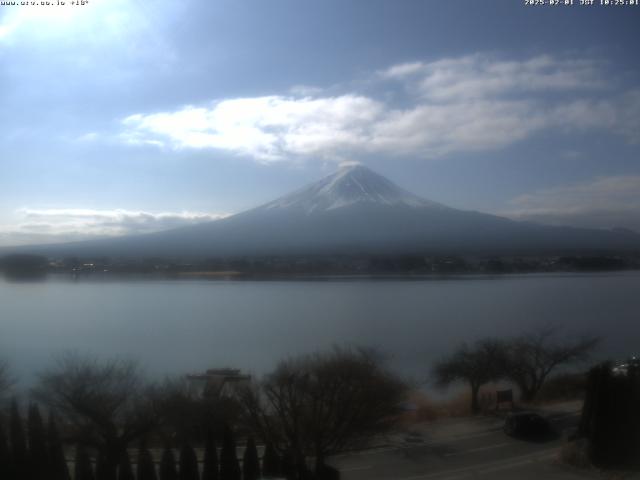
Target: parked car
(526, 424)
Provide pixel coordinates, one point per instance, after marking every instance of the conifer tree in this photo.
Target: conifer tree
(58, 469)
(250, 461)
(83, 469)
(610, 416)
(19, 452)
(210, 469)
(168, 465)
(188, 463)
(5, 456)
(229, 466)
(38, 455)
(125, 472)
(146, 468)
(327, 472)
(103, 470)
(270, 462)
(288, 465)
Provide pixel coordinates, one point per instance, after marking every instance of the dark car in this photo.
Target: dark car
(526, 424)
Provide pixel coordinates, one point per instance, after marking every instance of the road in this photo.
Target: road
(464, 448)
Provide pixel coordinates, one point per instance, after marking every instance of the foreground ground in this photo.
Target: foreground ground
(467, 448)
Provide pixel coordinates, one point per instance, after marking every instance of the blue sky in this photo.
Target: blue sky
(127, 116)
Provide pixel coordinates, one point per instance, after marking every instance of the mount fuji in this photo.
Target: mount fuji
(354, 211)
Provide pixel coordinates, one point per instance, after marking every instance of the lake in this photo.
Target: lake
(176, 327)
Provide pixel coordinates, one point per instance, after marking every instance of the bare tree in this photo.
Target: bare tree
(188, 415)
(478, 364)
(105, 402)
(6, 381)
(181, 410)
(533, 356)
(319, 405)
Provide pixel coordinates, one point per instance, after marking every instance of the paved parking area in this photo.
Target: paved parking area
(465, 448)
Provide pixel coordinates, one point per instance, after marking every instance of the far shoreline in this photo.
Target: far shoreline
(236, 276)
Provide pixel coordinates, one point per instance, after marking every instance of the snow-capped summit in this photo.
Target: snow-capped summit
(351, 185)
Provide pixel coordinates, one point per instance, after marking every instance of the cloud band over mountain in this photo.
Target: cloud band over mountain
(422, 109)
(62, 225)
(605, 202)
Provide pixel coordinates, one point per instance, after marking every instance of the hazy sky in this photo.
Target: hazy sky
(127, 116)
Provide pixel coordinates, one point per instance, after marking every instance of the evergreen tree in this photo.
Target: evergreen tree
(125, 472)
(611, 418)
(38, 454)
(58, 469)
(103, 469)
(188, 463)
(168, 465)
(326, 472)
(270, 462)
(210, 470)
(250, 461)
(305, 473)
(229, 466)
(288, 465)
(146, 468)
(5, 456)
(83, 469)
(19, 452)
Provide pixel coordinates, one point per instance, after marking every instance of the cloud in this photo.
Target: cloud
(305, 90)
(31, 19)
(61, 225)
(402, 70)
(88, 137)
(605, 202)
(267, 128)
(465, 104)
(482, 76)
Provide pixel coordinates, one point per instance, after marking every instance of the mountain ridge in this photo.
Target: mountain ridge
(353, 211)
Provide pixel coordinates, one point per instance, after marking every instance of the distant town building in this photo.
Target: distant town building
(622, 368)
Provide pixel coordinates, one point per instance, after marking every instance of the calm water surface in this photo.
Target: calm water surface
(181, 326)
